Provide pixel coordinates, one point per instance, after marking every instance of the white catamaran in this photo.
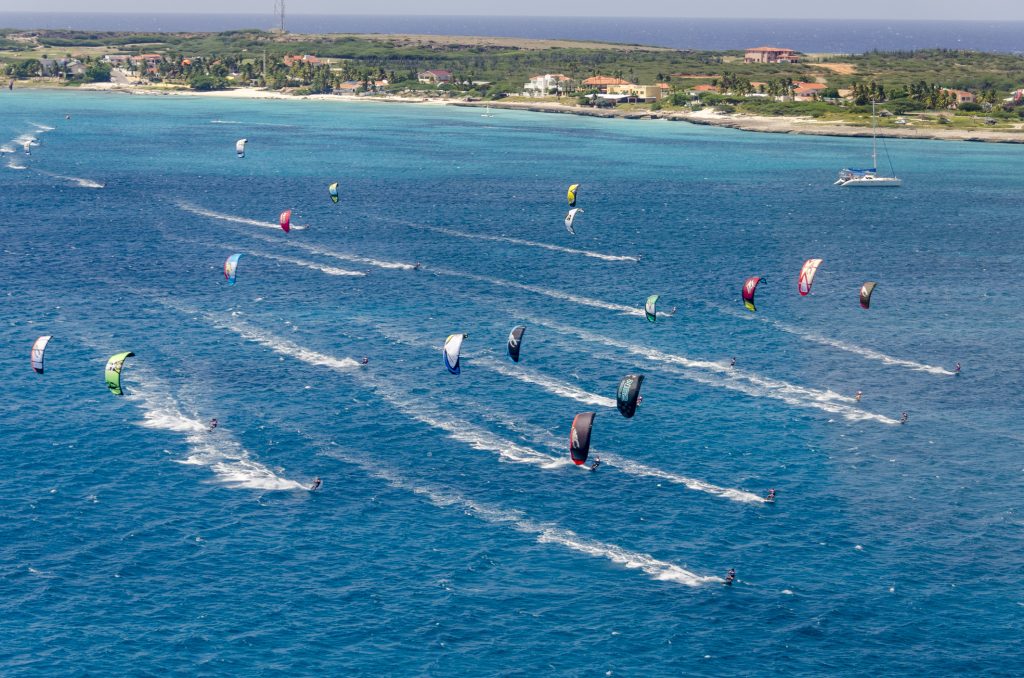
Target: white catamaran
(868, 177)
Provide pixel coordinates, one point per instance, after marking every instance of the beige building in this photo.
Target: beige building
(770, 55)
(638, 92)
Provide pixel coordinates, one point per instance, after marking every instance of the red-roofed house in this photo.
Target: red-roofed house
(770, 55)
(601, 82)
(806, 91)
(305, 58)
(962, 96)
(434, 77)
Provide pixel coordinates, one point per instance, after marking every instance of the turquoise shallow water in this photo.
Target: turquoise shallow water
(452, 535)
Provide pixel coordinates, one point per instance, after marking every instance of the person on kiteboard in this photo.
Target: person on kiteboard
(904, 417)
(732, 363)
(858, 396)
(956, 369)
(366, 359)
(213, 424)
(771, 496)
(730, 576)
(316, 484)
(597, 462)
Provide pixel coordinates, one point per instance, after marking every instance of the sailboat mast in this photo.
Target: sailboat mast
(874, 141)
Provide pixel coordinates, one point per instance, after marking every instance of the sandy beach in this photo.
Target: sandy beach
(749, 123)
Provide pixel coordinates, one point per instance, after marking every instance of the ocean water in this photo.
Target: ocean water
(807, 35)
(452, 535)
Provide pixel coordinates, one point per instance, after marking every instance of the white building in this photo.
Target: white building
(547, 84)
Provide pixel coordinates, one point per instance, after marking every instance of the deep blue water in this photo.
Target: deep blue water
(452, 535)
(808, 35)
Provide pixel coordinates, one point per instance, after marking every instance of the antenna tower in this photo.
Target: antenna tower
(279, 12)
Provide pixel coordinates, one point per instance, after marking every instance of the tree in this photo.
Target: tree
(97, 72)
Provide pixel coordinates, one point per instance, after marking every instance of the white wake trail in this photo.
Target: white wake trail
(514, 241)
(864, 352)
(634, 468)
(544, 291)
(203, 212)
(549, 384)
(545, 533)
(723, 376)
(312, 249)
(77, 181)
(218, 451)
(329, 270)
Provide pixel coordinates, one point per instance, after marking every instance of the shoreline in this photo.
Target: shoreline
(747, 123)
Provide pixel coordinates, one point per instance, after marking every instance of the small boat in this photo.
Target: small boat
(868, 177)
(487, 112)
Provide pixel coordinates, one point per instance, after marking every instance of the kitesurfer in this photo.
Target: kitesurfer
(858, 396)
(956, 370)
(639, 400)
(732, 363)
(730, 576)
(597, 462)
(417, 266)
(67, 117)
(213, 424)
(316, 484)
(366, 359)
(771, 496)
(904, 417)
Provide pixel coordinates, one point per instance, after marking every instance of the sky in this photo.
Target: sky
(991, 10)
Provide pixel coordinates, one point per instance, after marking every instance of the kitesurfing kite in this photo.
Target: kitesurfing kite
(866, 290)
(286, 220)
(38, 348)
(570, 217)
(749, 288)
(572, 194)
(579, 437)
(627, 395)
(452, 347)
(806, 279)
(515, 342)
(651, 307)
(113, 373)
(229, 268)
(240, 147)
(332, 191)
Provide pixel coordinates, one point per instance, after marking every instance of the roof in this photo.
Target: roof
(439, 72)
(605, 80)
(706, 88)
(663, 85)
(770, 49)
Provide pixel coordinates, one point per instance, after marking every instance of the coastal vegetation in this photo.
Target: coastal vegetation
(932, 86)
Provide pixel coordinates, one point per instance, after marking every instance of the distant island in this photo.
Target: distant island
(948, 94)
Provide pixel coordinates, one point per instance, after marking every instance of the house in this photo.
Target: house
(807, 91)
(116, 59)
(962, 96)
(770, 55)
(434, 77)
(348, 87)
(602, 82)
(304, 59)
(636, 93)
(542, 85)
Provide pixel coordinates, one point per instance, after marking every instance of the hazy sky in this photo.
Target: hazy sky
(781, 9)
(991, 10)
